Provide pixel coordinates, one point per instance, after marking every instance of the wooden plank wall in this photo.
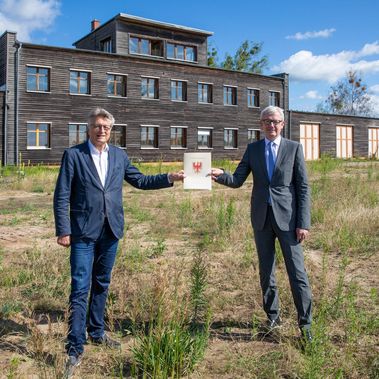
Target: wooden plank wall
(60, 108)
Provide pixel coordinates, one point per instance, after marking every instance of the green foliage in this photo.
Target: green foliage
(198, 286)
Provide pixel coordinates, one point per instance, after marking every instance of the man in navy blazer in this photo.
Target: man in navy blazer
(89, 217)
(280, 208)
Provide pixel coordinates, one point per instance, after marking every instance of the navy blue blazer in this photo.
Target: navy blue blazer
(81, 203)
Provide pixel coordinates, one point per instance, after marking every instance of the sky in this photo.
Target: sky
(315, 42)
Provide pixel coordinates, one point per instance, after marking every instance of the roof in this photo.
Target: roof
(149, 22)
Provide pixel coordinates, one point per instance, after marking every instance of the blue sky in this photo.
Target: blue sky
(315, 42)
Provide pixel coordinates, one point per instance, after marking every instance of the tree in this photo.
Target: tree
(349, 96)
(247, 58)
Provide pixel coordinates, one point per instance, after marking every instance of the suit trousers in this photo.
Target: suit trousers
(91, 268)
(294, 262)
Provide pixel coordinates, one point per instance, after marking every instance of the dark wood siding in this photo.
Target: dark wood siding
(60, 108)
(328, 123)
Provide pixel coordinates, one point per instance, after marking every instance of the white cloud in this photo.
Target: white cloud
(314, 95)
(304, 66)
(326, 33)
(26, 16)
(374, 88)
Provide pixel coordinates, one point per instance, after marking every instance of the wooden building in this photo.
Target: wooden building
(153, 77)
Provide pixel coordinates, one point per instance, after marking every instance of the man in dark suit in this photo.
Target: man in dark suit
(89, 217)
(280, 208)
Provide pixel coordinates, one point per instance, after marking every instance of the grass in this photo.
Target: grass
(185, 297)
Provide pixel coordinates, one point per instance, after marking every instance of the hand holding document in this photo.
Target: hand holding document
(197, 167)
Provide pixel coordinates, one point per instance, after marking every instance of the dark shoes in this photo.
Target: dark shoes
(271, 325)
(106, 341)
(73, 361)
(306, 336)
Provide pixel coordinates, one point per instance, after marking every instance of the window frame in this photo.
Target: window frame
(48, 68)
(184, 144)
(37, 147)
(249, 97)
(156, 89)
(77, 132)
(89, 82)
(253, 130)
(184, 90)
(210, 85)
(125, 84)
(235, 138)
(234, 95)
(210, 138)
(156, 136)
(106, 42)
(111, 140)
(141, 38)
(185, 47)
(270, 92)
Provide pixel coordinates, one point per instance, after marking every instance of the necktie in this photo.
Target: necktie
(271, 163)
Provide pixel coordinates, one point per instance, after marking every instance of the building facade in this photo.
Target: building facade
(153, 77)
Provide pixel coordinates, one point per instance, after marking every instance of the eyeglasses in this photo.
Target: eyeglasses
(269, 122)
(106, 128)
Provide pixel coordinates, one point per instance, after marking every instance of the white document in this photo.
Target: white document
(197, 166)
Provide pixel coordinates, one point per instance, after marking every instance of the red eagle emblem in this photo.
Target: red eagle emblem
(197, 167)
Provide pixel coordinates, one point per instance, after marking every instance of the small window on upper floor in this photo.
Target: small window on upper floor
(178, 90)
(38, 79)
(146, 46)
(274, 98)
(149, 88)
(252, 98)
(205, 93)
(106, 45)
(116, 85)
(80, 82)
(230, 95)
(181, 52)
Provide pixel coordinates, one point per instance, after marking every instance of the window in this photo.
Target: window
(149, 137)
(106, 45)
(80, 82)
(230, 138)
(274, 98)
(230, 95)
(205, 93)
(253, 97)
(178, 137)
(38, 135)
(309, 139)
(150, 88)
(116, 85)
(344, 136)
(77, 133)
(38, 79)
(178, 90)
(145, 46)
(204, 138)
(118, 136)
(373, 142)
(253, 135)
(181, 52)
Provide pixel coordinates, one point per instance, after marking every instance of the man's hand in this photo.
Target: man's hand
(301, 234)
(215, 173)
(64, 241)
(176, 176)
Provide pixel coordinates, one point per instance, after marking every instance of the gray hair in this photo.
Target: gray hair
(270, 110)
(99, 112)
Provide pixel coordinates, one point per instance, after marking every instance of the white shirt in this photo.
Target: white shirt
(275, 146)
(100, 159)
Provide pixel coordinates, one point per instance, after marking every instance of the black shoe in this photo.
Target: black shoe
(106, 341)
(271, 325)
(306, 336)
(73, 361)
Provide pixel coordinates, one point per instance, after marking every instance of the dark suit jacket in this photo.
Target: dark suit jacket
(81, 202)
(289, 190)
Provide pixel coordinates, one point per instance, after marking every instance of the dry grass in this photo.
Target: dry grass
(165, 232)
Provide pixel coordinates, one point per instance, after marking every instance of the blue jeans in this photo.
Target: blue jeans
(91, 267)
